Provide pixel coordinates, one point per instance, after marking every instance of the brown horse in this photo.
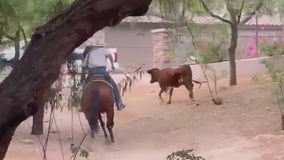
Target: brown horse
(97, 99)
(168, 78)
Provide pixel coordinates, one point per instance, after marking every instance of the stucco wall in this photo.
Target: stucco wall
(245, 67)
(134, 44)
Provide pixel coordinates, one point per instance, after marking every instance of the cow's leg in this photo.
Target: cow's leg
(160, 94)
(191, 97)
(189, 87)
(170, 97)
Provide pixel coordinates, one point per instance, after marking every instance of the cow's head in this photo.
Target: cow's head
(155, 73)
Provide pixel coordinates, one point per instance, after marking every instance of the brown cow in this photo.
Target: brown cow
(168, 78)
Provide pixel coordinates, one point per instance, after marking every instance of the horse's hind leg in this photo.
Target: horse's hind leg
(170, 97)
(110, 125)
(103, 125)
(91, 128)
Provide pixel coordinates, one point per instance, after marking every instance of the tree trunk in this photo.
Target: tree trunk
(1, 32)
(37, 128)
(282, 124)
(17, 46)
(23, 89)
(232, 54)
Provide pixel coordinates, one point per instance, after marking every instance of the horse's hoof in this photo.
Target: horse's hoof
(112, 140)
(169, 102)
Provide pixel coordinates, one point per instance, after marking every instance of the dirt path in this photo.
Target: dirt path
(246, 127)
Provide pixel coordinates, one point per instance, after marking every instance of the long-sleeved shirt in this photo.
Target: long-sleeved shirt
(96, 58)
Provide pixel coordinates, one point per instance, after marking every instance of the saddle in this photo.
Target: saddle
(97, 78)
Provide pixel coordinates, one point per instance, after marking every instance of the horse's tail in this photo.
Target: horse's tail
(93, 121)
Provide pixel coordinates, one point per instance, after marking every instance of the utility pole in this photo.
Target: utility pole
(256, 31)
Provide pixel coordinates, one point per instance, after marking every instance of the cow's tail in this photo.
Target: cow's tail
(197, 82)
(189, 72)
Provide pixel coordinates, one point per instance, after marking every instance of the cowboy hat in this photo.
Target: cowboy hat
(100, 44)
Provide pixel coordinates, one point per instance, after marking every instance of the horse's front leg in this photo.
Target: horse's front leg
(170, 97)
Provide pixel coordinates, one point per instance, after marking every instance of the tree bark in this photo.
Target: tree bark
(17, 46)
(282, 124)
(232, 54)
(23, 89)
(37, 128)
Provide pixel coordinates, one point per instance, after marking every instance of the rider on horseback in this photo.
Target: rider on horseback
(96, 61)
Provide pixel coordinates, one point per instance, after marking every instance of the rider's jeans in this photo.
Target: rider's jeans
(102, 71)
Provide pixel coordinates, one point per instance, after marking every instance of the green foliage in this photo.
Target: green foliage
(275, 65)
(212, 50)
(29, 14)
(184, 155)
(178, 9)
(256, 78)
(82, 152)
(55, 95)
(214, 54)
(271, 49)
(76, 85)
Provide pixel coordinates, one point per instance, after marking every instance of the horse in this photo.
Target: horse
(98, 99)
(170, 78)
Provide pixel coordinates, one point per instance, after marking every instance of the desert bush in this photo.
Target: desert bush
(272, 49)
(184, 155)
(275, 67)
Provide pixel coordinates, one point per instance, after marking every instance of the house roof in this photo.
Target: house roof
(266, 20)
(207, 20)
(156, 19)
(262, 20)
(146, 19)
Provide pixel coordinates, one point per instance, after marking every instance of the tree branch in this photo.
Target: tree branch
(252, 13)
(24, 35)
(9, 36)
(241, 11)
(231, 11)
(214, 15)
